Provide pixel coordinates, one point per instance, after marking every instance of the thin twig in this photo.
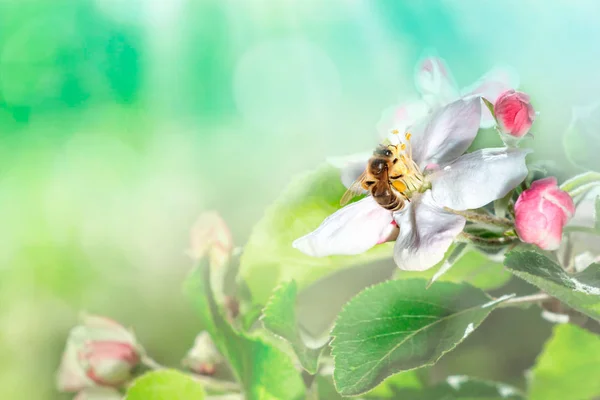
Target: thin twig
(488, 241)
(533, 298)
(483, 218)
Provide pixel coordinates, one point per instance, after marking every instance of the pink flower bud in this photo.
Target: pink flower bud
(98, 352)
(99, 393)
(514, 113)
(541, 212)
(211, 235)
(204, 356)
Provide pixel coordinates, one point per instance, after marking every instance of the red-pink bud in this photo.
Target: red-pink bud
(108, 363)
(541, 212)
(98, 352)
(514, 113)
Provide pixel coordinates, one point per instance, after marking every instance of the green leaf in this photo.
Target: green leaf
(472, 267)
(573, 185)
(279, 317)
(398, 326)
(269, 257)
(489, 106)
(265, 372)
(449, 262)
(569, 366)
(165, 385)
(463, 388)
(580, 291)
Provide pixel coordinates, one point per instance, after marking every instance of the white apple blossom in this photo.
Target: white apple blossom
(437, 87)
(450, 180)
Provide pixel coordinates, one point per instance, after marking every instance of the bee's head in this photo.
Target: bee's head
(383, 151)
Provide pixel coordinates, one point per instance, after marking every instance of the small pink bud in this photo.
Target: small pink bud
(514, 113)
(541, 212)
(204, 356)
(98, 352)
(211, 235)
(99, 393)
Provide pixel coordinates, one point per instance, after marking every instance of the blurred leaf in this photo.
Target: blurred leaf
(279, 316)
(165, 385)
(398, 326)
(269, 257)
(569, 366)
(580, 291)
(32, 61)
(389, 388)
(472, 267)
(326, 389)
(264, 371)
(463, 388)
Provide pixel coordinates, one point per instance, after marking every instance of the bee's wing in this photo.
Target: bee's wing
(354, 190)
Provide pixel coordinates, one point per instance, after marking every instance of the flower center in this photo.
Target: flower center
(405, 175)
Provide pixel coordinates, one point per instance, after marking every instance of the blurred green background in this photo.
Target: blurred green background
(120, 121)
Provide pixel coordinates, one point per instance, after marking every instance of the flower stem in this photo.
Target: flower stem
(488, 219)
(533, 298)
(499, 241)
(209, 383)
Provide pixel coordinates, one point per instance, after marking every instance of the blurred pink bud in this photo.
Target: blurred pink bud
(98, 352)
(99, 393)
(514, 113)
(204, 356)
(541, 212)
(211, 235)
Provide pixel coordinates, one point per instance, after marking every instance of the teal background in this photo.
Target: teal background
(120, 121)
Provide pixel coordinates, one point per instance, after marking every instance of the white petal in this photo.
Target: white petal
(426, 233)
(353, 229)
(479, 178)
(491, 86)
(400, 118)
(435, 82)
(447, 134)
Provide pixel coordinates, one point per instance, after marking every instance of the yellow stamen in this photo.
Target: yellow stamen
(395, 131)
(403, 147)
(408, 135)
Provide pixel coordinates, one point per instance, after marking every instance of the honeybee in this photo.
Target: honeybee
(382, 178)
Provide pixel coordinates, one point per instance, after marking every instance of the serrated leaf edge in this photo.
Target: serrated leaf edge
(492, 302)
(278, 288)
